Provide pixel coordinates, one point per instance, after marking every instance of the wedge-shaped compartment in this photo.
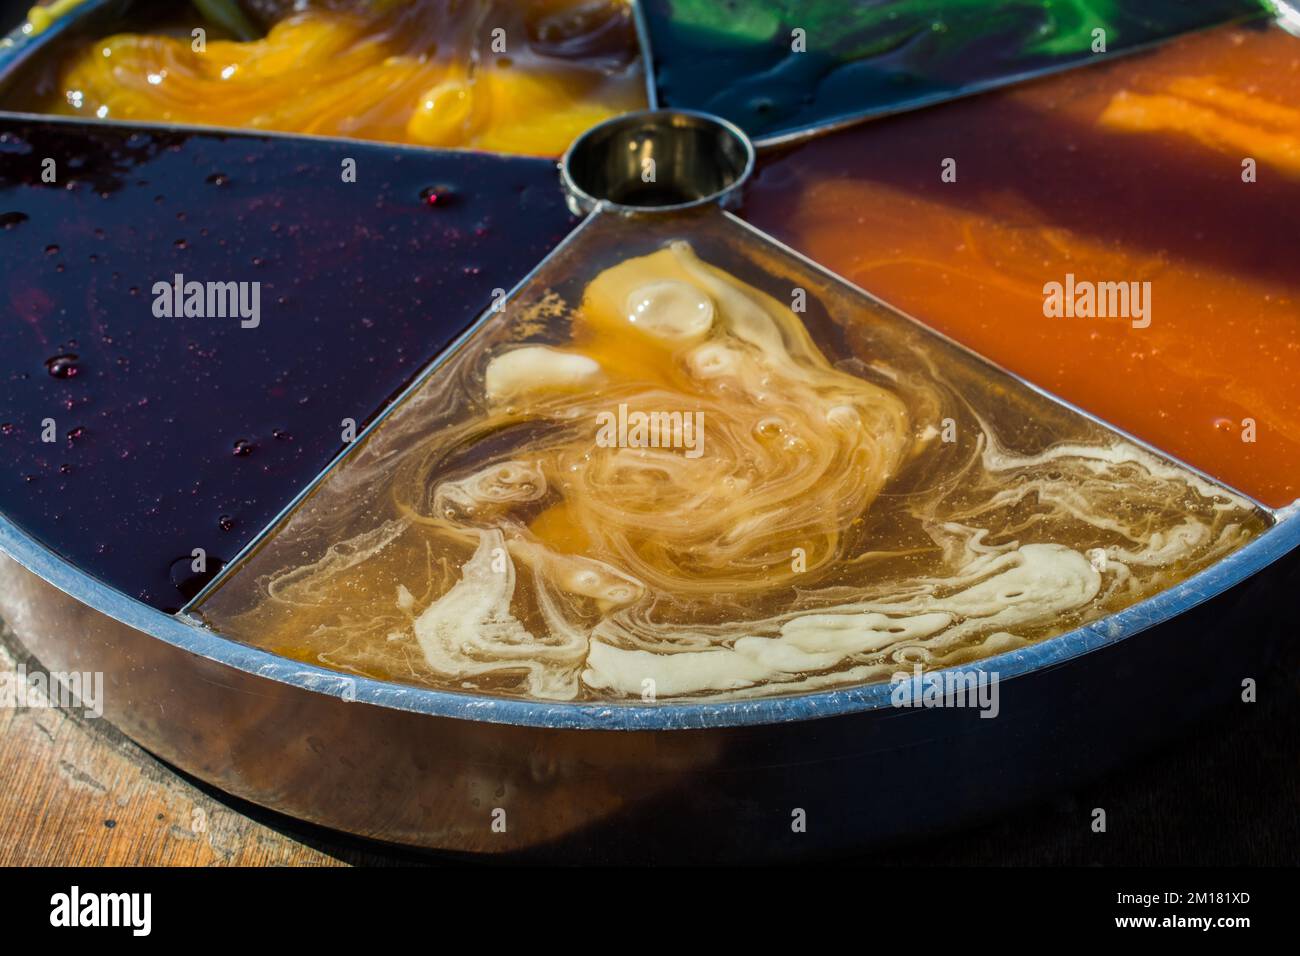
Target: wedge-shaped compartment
(486, 74)
(783, 69)
(682, 462)
(198, 322)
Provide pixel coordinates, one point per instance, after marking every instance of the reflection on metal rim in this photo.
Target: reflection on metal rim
(605, 163)
(647, 55)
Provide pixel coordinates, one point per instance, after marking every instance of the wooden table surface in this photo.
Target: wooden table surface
(77, 792)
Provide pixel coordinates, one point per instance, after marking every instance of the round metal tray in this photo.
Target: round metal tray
(800, 775)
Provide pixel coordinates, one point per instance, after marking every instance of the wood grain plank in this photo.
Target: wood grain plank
(76, 792)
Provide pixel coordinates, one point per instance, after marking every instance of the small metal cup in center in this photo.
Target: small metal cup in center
(656, 161)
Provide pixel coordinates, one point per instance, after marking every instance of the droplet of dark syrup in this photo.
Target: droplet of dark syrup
(439, 196)
(62, 366)
(243, 448)
(10, 219)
